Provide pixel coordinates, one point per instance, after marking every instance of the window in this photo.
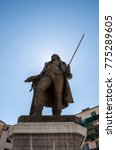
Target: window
(85, 147)
(8, 140)
(93, 113)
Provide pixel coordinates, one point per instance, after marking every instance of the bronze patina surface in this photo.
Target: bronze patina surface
(51, 87)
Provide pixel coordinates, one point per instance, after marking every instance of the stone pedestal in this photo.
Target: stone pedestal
(65, 134)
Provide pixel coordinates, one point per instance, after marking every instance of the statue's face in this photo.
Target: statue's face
(55, 57)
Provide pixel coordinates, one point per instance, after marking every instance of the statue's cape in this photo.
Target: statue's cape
(66, 99)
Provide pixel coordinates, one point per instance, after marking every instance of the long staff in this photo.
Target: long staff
(76, 49)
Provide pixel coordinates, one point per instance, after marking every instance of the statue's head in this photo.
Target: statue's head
(55, 57)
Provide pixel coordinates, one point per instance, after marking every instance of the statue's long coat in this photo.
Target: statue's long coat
(49, 95)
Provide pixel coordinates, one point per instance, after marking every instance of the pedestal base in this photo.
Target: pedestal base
(52, 135)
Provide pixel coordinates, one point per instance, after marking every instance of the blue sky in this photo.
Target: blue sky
(30, 32)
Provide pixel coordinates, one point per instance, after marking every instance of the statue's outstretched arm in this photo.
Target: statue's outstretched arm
(32, 78)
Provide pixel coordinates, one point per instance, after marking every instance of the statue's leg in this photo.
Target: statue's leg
(39, 101)
(38, 110)
(58, 95)
(56, 111)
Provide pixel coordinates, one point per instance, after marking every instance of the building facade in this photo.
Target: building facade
(5, 141)
(90, 119)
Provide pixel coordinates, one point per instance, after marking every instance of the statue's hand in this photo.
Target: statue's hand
(68, 69)
(68, 76)
(68, 73)
(30, 79)
(26, 81)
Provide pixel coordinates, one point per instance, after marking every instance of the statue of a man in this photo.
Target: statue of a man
(51, 87)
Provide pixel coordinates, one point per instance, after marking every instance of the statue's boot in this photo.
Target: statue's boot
(38, 110)
(56, 111)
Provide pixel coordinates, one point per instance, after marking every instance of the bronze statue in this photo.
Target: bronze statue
(51, 87)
